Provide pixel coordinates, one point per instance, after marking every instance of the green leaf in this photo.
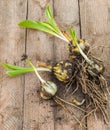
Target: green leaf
(49, 27)
(42, 26)
(49, 16)
(11, 67)
(18, 72)
(37, 25)
(73, 35)
(51, 20)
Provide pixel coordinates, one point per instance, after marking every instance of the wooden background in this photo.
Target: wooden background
(20, 106)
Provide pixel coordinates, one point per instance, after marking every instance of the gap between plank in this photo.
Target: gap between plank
(24, 65)
(80, 26)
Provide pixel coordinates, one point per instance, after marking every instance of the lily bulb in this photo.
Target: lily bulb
(48, 89)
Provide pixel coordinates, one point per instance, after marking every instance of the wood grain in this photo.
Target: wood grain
(12, 47)
(67, 15)
(21, 107)
(95, 26)
(38, 113)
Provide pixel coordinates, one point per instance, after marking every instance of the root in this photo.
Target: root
(94, 88)
(88, 114)
(61, 102)
(68, 103)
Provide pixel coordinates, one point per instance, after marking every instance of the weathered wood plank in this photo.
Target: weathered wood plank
(12, 47)
(38, 113)
(67, 15)
(95, 26)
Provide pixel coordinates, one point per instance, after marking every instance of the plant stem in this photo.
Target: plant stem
(64, 38)
(43, 69)
(61, 36)
(40, 78)
(74, 38)
(83, 54)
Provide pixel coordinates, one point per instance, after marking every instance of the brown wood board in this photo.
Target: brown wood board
(21, 107)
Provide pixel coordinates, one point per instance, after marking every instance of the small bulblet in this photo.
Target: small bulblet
(74, 51)
(63, 71)
(95, 69)
(48, 90)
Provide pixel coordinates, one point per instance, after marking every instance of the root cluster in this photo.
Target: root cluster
(94, 88)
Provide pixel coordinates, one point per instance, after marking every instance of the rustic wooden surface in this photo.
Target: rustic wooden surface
(21, 108)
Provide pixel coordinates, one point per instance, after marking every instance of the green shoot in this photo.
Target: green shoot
(49, 27)
(50, 20)
(74, 38)
(11, 67)
(17, 70)
(42, 26)
(49, 86)
(49, 16)
(39, 77)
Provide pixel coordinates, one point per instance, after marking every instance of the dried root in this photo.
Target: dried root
(93, 87)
